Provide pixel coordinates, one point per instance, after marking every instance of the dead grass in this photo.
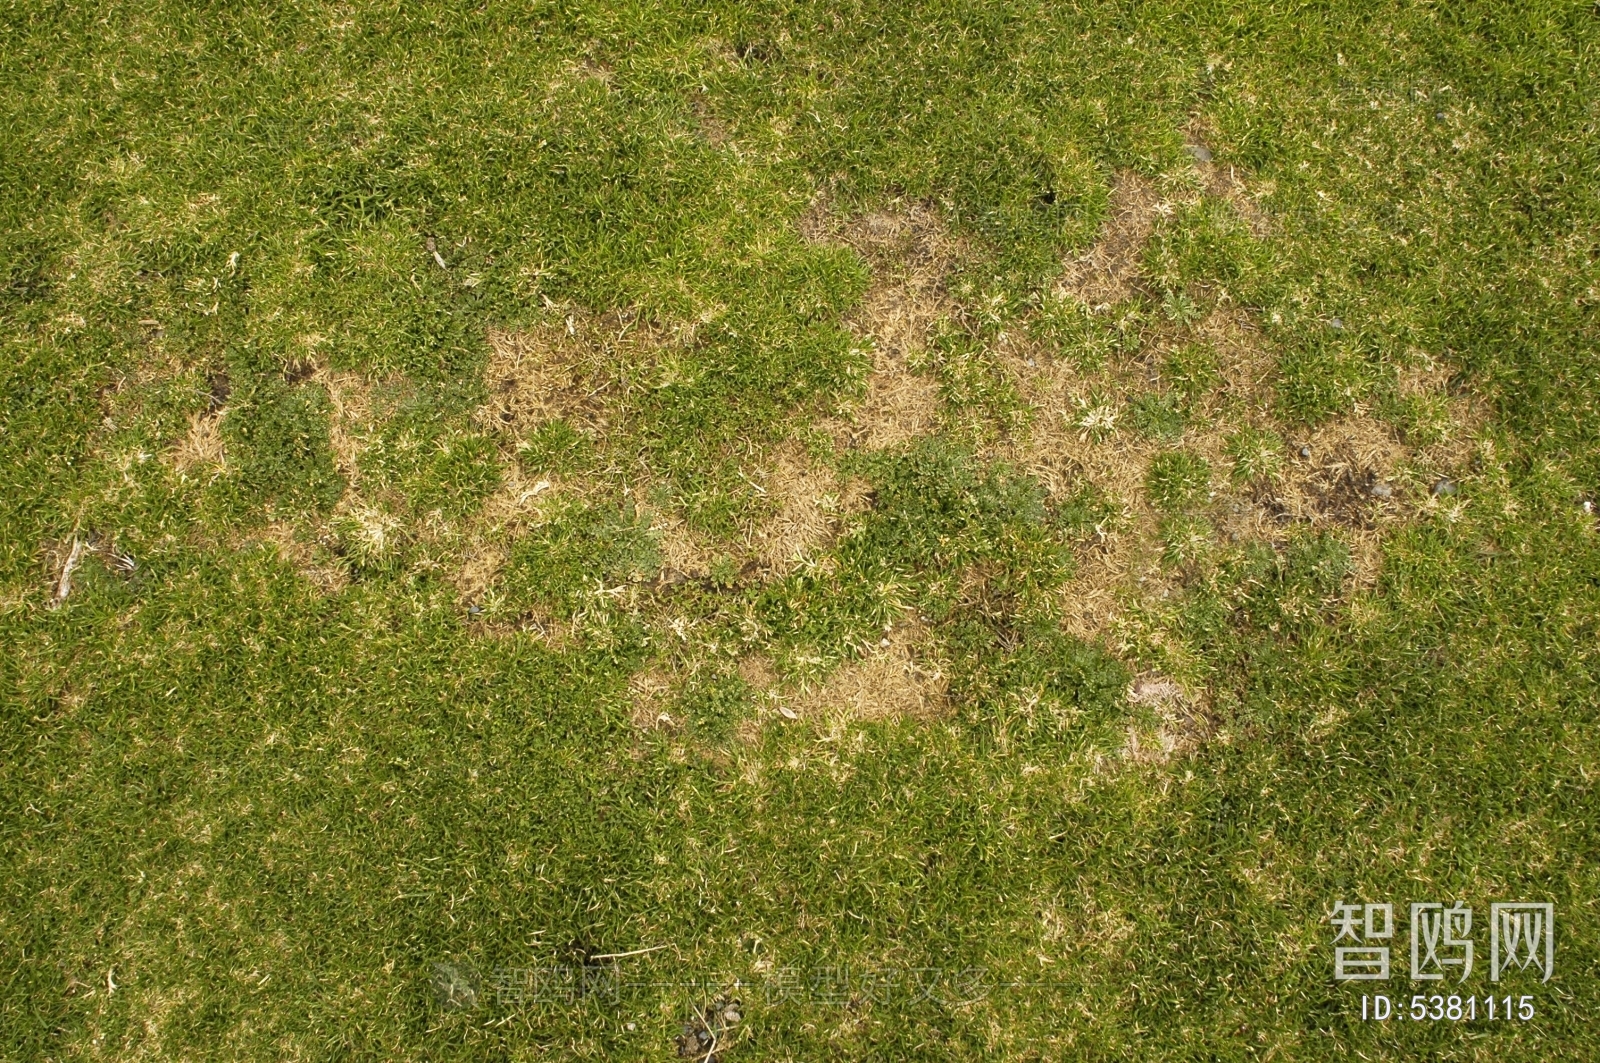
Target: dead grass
(685, 555)
(1227, 183)
(1062, 455)
(911, 253)
(804, 506)
(484, 541)
(1181, 726)
(1108, 272)
(581, 368)
(897, 680)
(1245, 361)
(350, 396)
(649, 691)
(756, 669)
(1359, 475)
(327, 577)
(809, 506)
(1340, 486)
(199, 455)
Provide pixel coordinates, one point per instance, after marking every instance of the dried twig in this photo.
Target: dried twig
(635, 952)
(64, 583)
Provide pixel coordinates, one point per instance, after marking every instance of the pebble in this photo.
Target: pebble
(1335, 322)
(632, 1027)
(1381, 490)
(1200, 152)
(731, 1015)
(1305, 452)
(1444, 486)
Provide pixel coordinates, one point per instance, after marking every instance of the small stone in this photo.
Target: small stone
(731, 1015)
(1588, 506)
(1305, 453)
(1381, 490)
(1336, 323)
(1439, 115)
(631, 1027)
(1200, 152)
(1443, 486)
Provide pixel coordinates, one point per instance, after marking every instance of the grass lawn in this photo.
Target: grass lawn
(791, 532)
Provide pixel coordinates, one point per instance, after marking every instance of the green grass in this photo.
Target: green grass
(264, 810)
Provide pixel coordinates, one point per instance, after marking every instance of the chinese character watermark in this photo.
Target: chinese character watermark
(1435, 927)
(1362, 962)
(1524, 935)
(1521, 938)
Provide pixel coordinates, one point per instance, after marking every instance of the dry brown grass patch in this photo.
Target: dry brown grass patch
(804, 507)
(1244, 359)
(350, 396)
(1124, 556)
(480, 567)
(809, 506)
(327, 577)
(910, 252)
(484, 547)
(1109, 271)
(899, 406)
(756, 669)
(1360, 477)
(898, 680)
(200, 453)
(650, 691)
(581, 368)
(1350, 459)
(1226, 181)
(685, 553)
(1181, 721)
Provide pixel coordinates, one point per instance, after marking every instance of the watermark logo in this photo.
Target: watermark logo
(1524, 936)
(1365, 924)
(1441, 946)
(1441, 940)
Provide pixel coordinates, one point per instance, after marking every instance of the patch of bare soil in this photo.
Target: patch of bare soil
(1108, 272)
